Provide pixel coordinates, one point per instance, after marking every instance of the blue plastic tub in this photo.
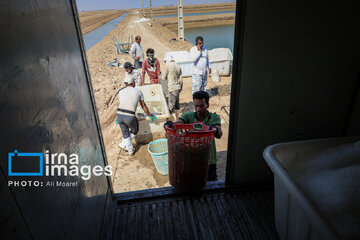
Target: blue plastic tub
(159, 153)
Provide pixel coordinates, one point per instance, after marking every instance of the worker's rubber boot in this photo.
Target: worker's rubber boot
(122, 145)
(177, 112)
(129, 146)
(132, 136)
(173, 117)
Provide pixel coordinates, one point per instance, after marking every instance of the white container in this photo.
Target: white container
(220, 59)
(299, 208)
(156, 102)
(183, 59)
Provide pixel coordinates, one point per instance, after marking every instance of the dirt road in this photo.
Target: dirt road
(138, 171)
(90, 21)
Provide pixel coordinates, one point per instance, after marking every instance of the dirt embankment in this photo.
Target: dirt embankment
(199, 8)
(138, 172)
(198, 21)
(91, 20)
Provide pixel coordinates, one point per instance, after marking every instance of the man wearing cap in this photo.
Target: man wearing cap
(129, 97)
(172, 75)
(137, 53)
(130, 71)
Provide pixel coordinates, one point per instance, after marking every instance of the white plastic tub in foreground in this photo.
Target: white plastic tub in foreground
(156, 102)
(317, 188)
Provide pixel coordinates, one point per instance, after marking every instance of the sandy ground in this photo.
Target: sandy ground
(91, 20)
(138, 172)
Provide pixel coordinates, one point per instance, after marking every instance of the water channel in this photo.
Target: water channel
(214, 37)
(98, 34)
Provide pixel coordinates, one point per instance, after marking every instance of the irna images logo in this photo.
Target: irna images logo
(25, 164)
(56, 164)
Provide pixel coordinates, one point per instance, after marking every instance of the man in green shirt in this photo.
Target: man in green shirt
(201, 102)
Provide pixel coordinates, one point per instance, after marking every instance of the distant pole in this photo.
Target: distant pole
(181, 20)
(143, 8)
(151, 14)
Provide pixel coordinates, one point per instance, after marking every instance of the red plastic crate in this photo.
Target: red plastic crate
(189, 154)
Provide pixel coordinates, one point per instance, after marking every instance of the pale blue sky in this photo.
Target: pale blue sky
(90, 5)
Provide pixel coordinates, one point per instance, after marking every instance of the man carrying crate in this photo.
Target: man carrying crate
(129, 97)
(201, 114)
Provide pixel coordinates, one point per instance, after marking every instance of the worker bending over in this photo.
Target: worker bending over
(201, 114)
(129, 97)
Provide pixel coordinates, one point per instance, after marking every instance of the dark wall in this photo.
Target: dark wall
(353, 127)
(296, 77)
(46, 104)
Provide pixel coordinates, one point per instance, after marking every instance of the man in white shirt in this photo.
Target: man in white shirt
(129, 97)
(130, 71)
(137, 53)
(199, 56)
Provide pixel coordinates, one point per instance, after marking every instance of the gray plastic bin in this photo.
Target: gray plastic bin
(306, 207)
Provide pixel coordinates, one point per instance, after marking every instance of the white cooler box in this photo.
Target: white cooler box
(183, 59)
(220, 59)
(156, 102)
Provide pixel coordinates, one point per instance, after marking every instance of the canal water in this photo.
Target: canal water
(214, 37)
(196, 14)
(98, 34)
